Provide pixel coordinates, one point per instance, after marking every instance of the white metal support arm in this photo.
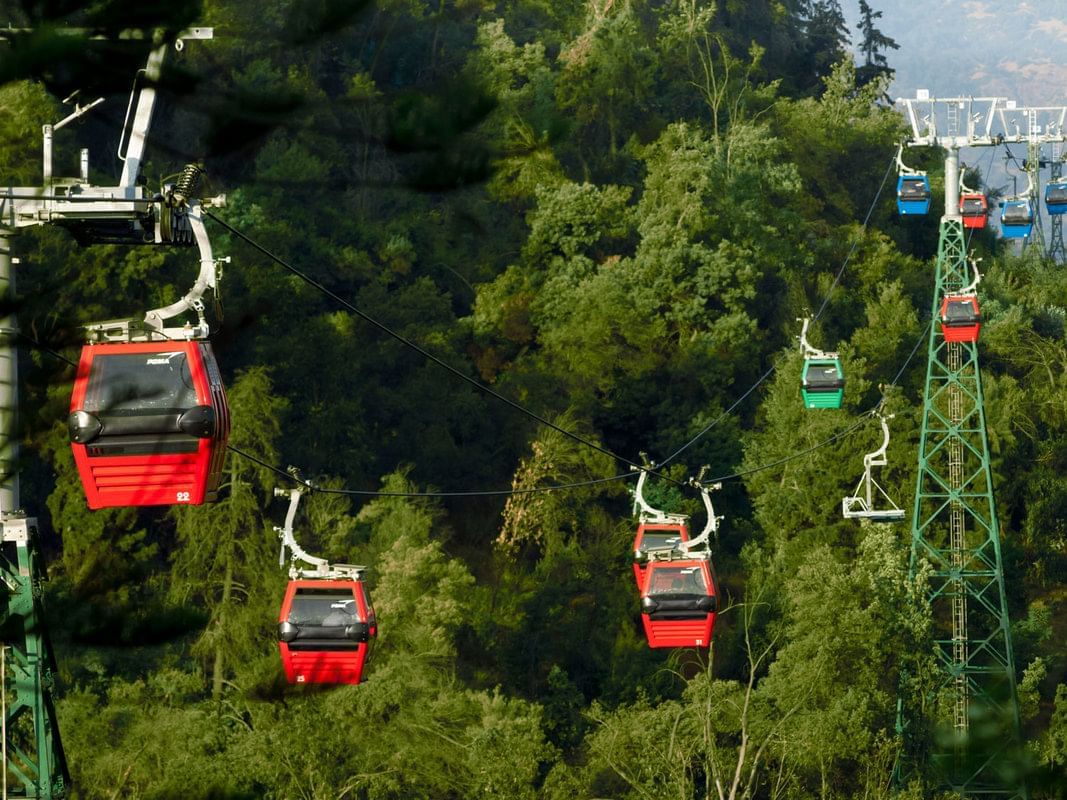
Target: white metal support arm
(646, 513)
(805, 348)
(971, 288)
(207, 278)
(712, 524)
(902, 168)
(320, 568)
(867, 491)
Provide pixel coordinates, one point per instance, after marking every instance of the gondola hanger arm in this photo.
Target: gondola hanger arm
(805, 347)
(964, 188)
(647, 514)
(711, 526)
(156, 319)
(320, 568)
(904, 169)
(971, 288)
(878, 457)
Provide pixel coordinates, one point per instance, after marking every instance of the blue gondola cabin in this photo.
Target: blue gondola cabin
(1016, 219)
(823, 383)
(913, 194)
(1056, 197)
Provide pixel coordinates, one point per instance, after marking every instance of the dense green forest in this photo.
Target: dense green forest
(610, 212)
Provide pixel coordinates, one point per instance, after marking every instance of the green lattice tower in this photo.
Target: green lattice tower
(955, 530)
(1036, 240)
(36, 767)
(1056, 252)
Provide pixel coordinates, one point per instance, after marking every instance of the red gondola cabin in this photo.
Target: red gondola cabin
(655, 536)
(324, 631)
(960, 318)
(678, 603)
(148, 423)
(974, 209)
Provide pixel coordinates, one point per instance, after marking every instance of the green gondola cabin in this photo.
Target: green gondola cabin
(823, 383)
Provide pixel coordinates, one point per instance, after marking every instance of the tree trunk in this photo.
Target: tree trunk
(217, 676)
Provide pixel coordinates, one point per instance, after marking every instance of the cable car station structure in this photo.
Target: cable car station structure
(954, 521)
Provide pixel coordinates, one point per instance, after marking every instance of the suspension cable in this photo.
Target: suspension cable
(474, 493)
(560, 487)
(488, 390)
(513, 491)
(425, 353)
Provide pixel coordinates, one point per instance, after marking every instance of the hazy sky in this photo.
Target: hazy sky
(1009, 48)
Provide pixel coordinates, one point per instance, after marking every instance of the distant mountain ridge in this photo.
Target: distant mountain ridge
(1010, 48)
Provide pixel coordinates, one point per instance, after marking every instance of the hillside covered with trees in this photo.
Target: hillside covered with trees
(611, 213)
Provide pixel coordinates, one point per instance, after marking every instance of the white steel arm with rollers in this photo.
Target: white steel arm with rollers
(971, 288)
(711, 526)
(697, 547)
(649, 515)
(806, 349)
(903, 168)
(1029, 192)
(868, 492)
(318, 568)
(206, 279)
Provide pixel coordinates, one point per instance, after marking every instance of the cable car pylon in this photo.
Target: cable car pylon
(955, 527)
(869, 492)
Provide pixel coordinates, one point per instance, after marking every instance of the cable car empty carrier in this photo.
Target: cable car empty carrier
(149, 420)
(679, 598)
(326, 621)
(868, 494)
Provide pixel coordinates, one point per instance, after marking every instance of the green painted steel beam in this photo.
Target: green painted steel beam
(36, 767)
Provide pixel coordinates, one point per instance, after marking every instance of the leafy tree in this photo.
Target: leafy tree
(224, 559)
